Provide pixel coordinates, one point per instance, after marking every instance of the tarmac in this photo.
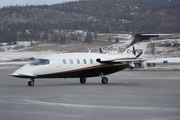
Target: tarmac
(129, 95)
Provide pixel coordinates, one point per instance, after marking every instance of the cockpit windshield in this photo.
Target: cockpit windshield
(40, 62)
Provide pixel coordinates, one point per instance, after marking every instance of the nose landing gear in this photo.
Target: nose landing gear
(31, 82)
(82, 80)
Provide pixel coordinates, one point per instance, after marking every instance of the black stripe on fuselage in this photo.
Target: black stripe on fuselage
(84, 72)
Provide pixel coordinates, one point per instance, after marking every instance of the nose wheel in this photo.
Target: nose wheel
(82, 80)
(31, 82)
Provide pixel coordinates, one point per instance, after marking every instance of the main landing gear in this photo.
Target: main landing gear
(31, 82)
(104, 80)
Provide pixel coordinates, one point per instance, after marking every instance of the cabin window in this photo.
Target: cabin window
(91, 61)
(84, 60)
(40, 62)
(71, 61)
(64, 61)
(78, 61)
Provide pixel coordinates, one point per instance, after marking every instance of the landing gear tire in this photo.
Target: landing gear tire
(31, 82)
(104, 80)
(82, 80)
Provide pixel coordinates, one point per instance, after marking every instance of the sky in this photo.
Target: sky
(30, 2)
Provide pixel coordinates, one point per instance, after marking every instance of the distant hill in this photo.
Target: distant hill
(41, 22)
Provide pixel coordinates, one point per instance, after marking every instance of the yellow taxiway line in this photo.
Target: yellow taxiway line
(148, 78)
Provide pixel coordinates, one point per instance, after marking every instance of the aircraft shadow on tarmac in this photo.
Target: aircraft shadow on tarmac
(71, 82)
(77, 84)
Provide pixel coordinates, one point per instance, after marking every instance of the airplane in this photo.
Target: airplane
(85, 65)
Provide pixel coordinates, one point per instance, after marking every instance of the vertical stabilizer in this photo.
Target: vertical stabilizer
(138, 46)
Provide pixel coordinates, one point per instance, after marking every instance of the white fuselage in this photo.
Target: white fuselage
(63, 65)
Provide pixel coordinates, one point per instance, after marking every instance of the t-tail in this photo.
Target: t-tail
(138, 46)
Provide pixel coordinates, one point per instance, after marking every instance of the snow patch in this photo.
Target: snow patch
(9, 56)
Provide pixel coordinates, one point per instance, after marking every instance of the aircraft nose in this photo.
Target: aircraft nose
(23, 72)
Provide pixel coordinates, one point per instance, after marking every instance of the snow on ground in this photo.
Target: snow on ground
(20, 46)
(8, 56)
(20, 63)
(120, 47)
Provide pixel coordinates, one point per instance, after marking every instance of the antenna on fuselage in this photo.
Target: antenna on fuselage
(100, 50)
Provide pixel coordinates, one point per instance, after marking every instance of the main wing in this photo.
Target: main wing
(117, 59)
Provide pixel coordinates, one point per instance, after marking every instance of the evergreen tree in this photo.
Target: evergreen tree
(109, 39)
(88, 37)
(95, 35)
(62, 39)
(45, 36)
